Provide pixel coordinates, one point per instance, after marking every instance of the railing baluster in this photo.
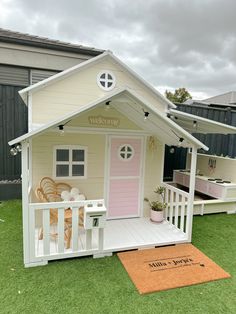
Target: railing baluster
(61, 230)
(177, 200)
(167, 201)
(88, 239)
(46, 231)
(176, 209)
(75, 221)
(171, 206)
(32, 233)
(182, 213)
(65, 229)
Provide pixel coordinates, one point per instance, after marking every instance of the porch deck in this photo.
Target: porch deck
(123, 234)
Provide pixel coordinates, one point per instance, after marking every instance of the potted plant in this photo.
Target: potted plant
(157, 207)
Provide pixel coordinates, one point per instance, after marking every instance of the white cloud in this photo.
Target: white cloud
(170, 43)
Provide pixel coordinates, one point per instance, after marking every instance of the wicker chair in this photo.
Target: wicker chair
(50, 191)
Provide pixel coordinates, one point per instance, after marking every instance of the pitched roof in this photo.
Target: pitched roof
(9, 36)
(226, 98)
(80, 66)
(196, 124)
(157, 123)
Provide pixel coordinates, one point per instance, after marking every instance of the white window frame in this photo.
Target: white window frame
(126, 152)
(70, 162)
(113, 81)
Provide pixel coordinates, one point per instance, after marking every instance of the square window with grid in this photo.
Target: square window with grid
(70, 162)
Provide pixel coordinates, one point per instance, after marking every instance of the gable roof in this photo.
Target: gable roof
(83, 65)
(226, 98)
(133, 106)
(13, 37)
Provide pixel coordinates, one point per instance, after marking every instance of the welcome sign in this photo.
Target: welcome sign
(104, 121)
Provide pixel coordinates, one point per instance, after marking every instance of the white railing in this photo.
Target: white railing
(52, 244)
(177, 207)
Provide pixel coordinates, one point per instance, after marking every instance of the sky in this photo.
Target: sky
(170, 43)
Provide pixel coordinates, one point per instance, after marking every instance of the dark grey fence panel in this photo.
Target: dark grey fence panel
(13, 123)
(174, 160)
(220, 145)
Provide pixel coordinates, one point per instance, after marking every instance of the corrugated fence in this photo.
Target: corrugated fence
(220, 145)
(13, 123)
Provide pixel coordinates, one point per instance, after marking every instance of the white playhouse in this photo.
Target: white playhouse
(94, 151)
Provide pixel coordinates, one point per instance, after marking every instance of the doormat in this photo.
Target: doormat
(169, 267)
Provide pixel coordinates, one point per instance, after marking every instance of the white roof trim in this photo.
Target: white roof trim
(171, 123)
(193, 141)
(80, 66)
(65, 118)
(211, 125)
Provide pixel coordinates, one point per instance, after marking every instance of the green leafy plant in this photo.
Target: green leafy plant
(158, 205)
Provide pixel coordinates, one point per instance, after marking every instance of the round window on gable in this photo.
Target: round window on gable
(126, 152)
(106, 80)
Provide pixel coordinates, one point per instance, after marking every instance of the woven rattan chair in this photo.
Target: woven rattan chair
(50, 191)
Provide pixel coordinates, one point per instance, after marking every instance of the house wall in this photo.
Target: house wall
(42, 165)
(93, 186)
(225, 167)
(65, 96)
(35, 57)
(84, 120)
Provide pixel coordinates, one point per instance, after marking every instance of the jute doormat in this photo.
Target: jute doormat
(169, 267)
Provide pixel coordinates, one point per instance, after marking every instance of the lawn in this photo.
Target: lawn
(87, 285)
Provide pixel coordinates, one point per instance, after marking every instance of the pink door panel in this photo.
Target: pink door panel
(124, 179)
(124, 197)
(120, 167)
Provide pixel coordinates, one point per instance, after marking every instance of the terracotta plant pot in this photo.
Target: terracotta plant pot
(157, 216)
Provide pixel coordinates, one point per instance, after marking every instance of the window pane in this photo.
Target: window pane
(62, 171)
(129, 149)
(109, 77)
(122, 149)
(78, 170)
(103, 83)
(103, 75)
(62, 155)
(122, 155)
(109, 84)
(129, 155)
(78, 155)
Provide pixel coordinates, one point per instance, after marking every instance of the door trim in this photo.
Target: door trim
(141, 177)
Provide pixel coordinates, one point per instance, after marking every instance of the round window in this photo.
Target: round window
(106, 80)
(126, 152)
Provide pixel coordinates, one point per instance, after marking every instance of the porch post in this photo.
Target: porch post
(25, 201)
(189, 221)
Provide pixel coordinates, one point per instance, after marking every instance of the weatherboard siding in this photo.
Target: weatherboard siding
(41, 58)
(123, 122)
(93, 185)
(42, 166)
(75, 91)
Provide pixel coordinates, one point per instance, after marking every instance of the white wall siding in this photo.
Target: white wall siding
(92, 187)
(69, 94)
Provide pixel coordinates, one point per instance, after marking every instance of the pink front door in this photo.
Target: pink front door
(124, 177)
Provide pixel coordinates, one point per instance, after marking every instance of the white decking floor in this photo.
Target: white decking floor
(124, 234)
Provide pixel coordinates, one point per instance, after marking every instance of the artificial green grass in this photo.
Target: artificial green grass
(87, 285)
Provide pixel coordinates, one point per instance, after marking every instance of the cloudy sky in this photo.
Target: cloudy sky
(171, 43)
